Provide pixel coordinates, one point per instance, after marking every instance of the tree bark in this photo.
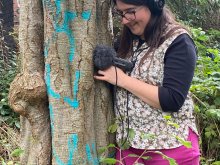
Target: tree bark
(28, 92)
(80, 109)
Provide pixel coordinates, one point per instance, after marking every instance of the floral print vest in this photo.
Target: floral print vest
(148, 127)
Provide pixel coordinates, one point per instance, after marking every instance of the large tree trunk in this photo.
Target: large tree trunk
(28, 92)
(80, 109)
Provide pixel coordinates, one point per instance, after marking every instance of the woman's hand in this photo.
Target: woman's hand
(146, 92)
(112, 75)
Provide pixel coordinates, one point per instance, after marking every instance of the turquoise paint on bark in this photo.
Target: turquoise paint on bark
(72, 149)
(51, 119)
(50, 91)
(64, 27)
(86, 15)
(89, 154)
(72, 143)
(74, 103)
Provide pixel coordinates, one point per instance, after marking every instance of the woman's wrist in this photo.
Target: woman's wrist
(123, 80)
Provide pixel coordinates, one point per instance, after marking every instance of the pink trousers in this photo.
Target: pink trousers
(182, 155)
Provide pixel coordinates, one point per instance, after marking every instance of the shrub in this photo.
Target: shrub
(206, 93)
(200, 13)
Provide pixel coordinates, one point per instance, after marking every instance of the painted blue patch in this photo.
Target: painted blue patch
(48, 4)
(46, 50)
(58, 6)
(51, 118)
(64, 27)
(88, 153)
(95, 160)
(69, 16)
(48, 83)
(74, 102)
(72, 146)
(90, 158)
(72, 149)
(76, 84)
(86, 15)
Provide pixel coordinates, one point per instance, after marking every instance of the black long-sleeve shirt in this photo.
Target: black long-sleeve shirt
(179, 65)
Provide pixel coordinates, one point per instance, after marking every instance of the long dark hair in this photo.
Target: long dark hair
(154, 32)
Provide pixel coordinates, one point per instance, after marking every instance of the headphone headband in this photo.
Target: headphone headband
(156, 6)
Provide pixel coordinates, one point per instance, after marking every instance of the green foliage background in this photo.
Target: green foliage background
(8, 68)
(203, 18)
(206, 93)
(9, 120)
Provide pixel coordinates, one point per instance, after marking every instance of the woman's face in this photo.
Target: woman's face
(141, 16)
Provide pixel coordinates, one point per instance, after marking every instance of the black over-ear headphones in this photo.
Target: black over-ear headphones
(156, 6)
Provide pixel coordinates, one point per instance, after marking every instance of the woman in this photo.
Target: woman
(164, 58)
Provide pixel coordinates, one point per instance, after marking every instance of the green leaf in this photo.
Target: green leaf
(171, 161)
(102, 150)
(173, 124)
(214, 113)
(108, 160)
(10, 163)
(112, 128)
(17, 152)
(124, 145)
(4, 112)
(133, 155)
(147, 136)
(131, 134)
(111, 145)
(146, 157)
(217, 101)
(2, 161)
(187, 144)
(167, 117)
(216, 163)
(17, 124)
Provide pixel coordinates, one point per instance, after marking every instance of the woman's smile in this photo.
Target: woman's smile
(140, 17)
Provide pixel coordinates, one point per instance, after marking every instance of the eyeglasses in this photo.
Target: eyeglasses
(129, 14)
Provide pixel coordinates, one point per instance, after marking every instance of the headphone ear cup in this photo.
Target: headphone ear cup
(157, 6)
